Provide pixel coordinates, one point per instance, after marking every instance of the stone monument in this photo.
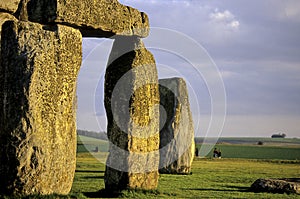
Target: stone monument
(40, 58)
(177, 146)
(131, 102)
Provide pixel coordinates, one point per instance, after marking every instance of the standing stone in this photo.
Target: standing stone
(95, 18)
(131, 102)
(10, 6)
(177, 145)
(39, 67)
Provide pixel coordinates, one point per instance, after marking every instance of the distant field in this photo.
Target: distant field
(251, 140)
(247, 148)
(88, 144)
(258, 152)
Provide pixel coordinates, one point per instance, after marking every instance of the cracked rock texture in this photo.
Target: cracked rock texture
(177, 145)
(40, 56)
(283, 185)
(131, 102)
(39, 66)
(10, 6)
(94, 18)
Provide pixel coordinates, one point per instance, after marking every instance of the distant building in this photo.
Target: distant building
(279, 135)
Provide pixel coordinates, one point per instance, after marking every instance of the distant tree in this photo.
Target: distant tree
(97, 135)
(279, 135)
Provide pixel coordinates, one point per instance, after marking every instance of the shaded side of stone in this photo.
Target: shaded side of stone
(3, 18)
(276, 185)
(39, 66)
(131, 94)
(177, 145)
(94, 18)
(9, 6)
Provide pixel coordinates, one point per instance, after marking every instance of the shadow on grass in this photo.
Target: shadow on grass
(88, 171)
(93, 177)
(222, 189)
(136, 193)
(102, 194)
(52, 196)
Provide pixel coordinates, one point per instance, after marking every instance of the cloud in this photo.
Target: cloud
(234, 24)
(221, 16)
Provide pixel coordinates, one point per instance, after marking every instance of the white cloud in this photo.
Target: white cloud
(224, 18)
(234, 24)
(221, 16)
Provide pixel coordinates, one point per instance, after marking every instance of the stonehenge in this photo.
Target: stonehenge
(131, 95)
(177, 146)
(41, 49)
(38, 126)
(40, 57)
(277, 185)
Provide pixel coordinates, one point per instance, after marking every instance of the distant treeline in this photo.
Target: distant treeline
(97, 135)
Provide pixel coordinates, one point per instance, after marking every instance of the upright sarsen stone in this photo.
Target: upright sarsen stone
(37, 114)
(131, 103)
(177, 146)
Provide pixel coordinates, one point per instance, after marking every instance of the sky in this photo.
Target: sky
(240, 58)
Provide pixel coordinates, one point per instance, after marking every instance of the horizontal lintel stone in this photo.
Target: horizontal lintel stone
(94, 18)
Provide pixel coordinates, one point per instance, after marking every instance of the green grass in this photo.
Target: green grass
(211, 178)
(258, 152)
(88, 144)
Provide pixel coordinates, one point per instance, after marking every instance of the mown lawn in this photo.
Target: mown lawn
(211, 178)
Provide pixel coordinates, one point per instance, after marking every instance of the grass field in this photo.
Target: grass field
(85, 144)
(230, 177)
(258, 152)
(211, 178)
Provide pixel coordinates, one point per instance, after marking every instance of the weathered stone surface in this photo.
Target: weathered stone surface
(39, 66)
(10, 6)
(177, 145)
(94, 18)
(3, 18)
(131, 100)
(284, 185)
